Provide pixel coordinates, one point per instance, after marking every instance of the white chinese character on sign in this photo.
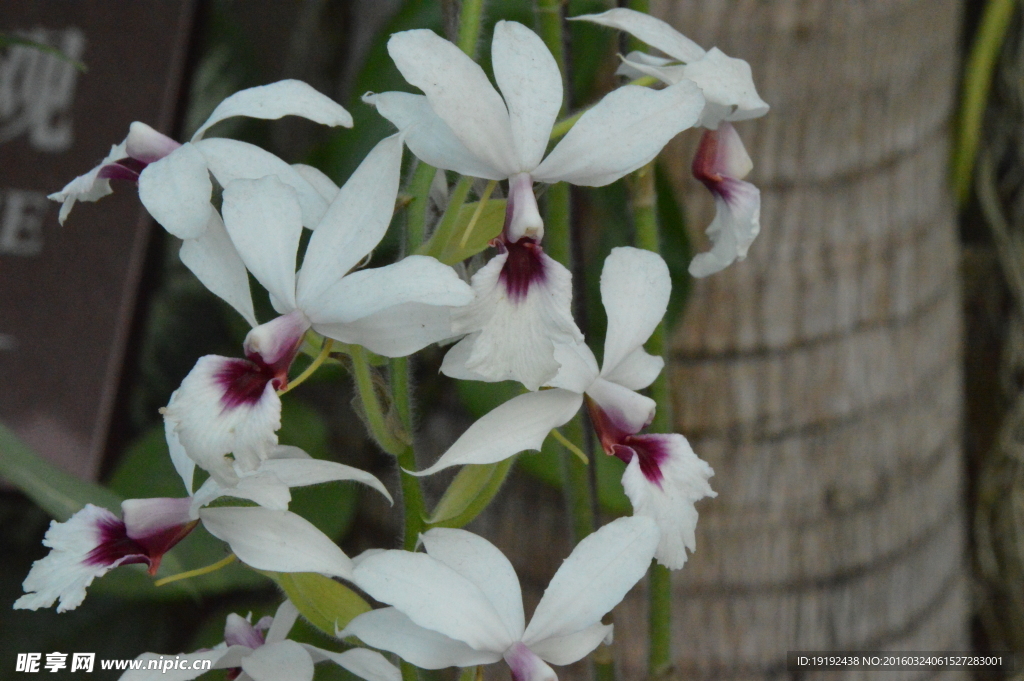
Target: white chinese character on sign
(83, 661)
(28, 662)
(37, 88)
(55, 661)
(21, 221)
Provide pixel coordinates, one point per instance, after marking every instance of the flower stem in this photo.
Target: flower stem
(325, 351)
(576, 477)
(481, 204)
(197, 572)
(643, 205)
(445, 231)
(416, 216)
(571, 447)
(381, 427)
(414, 507)
(471, 17)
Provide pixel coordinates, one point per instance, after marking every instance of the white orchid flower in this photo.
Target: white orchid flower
(227, 410)
(663, 477)
(462, 123)
(262, 652)
(460, 604)
(94, 540)
(721, 162)
(175, 187)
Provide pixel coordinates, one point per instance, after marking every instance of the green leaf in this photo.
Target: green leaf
(58, 493)
(487, 227)
(6, 40)
(470, 493)
(327, 604)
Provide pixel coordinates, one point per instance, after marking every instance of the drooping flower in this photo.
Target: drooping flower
(262, 652)
(227, 410)
(460, 603)
(721, 162)
(462, 123)
(663, 477)
(175, 186)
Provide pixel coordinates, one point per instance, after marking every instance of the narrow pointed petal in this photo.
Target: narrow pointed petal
(264, 221)
(594, 578)
(396, 331)
(726, 81)
(623, 132)
(239, 631)
(354, 223)
(77, 557)
(215, 262)
(414, 279)
(146, 145)
(521, 312)
(231, 160)
(232, 657)
(636, 371)
(265, 490)
(434, 596)
(653, 31)
(366, 664)
(388, 629)
(429, 137)
(578, 368)
(629, 411)
(663, 481)
(225, 406)
(572, 647)
(318, 180)
(459, 93)
(635, 288)
(531, 84)
(301, 472)
(276, 540)
(176, 191)
(526, 666)
(517, 425)
(277, 661)
(184, 466)
(479, 561)
(91, 186)
(276, 100)
(737, 223)
(637, 64)
(187, 672)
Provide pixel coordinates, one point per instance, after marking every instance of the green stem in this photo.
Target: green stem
(414, 507)
(549, 28)
(445, 231)
(471, 17)
(416, 221)
(976, 85)
(376, 418)
(643, 205)
(576, 477)
(409, 672)
(631, 42)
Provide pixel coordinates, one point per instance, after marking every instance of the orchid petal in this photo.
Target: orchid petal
(623, 132)
(276, 661)
(429, 137)
(280, 541)
(185, 671)
(737, 222)
(146, 144)
(265, 490)
(517, 425)
(232, 657)
(527, 666)
(276, 100)
(628, 410)
(726, 81)
(276, 342)
(637, 64)
(531, 84)
(318, 180)
(144, 518)
(636, 371)
(434, 596)
(578, 367)
(183, 464)
(215, 262)
(231, 160)
(366, 664)
(354, 223)
(388, 629)
(635, 288)
(414, 279)
(479, 561)
(90, 186)
(653, 31)
(459, 93)
(264, 221)
(239, 632)
(176, 191)
(397, 331)
(594, 578)
(302, 472)
(572, 647)
(284, 620)
(670, 500)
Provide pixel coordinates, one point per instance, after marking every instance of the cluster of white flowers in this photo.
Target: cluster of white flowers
(459, 603)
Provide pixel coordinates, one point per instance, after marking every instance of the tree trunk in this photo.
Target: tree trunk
(821, 378)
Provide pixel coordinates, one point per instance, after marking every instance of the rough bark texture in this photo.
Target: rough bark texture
(821, 378)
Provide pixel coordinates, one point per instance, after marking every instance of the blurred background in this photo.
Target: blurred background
(857, 383)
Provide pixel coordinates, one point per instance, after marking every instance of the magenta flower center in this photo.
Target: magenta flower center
(523, 267)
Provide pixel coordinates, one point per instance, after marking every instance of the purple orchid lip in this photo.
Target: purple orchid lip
(523, 267)
(705, 161)
(116, 547)
(623, 445)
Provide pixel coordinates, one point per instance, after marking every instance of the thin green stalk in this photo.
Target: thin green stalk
(381, 427)
(976, 85)
(631, 42)
(414, 506)
(445, 231)
(416, 215)
(643, 205)
(471, 17)
(576, 477)
(409, 672)
(549, 28)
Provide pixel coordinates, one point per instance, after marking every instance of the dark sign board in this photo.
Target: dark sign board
(67, 294)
